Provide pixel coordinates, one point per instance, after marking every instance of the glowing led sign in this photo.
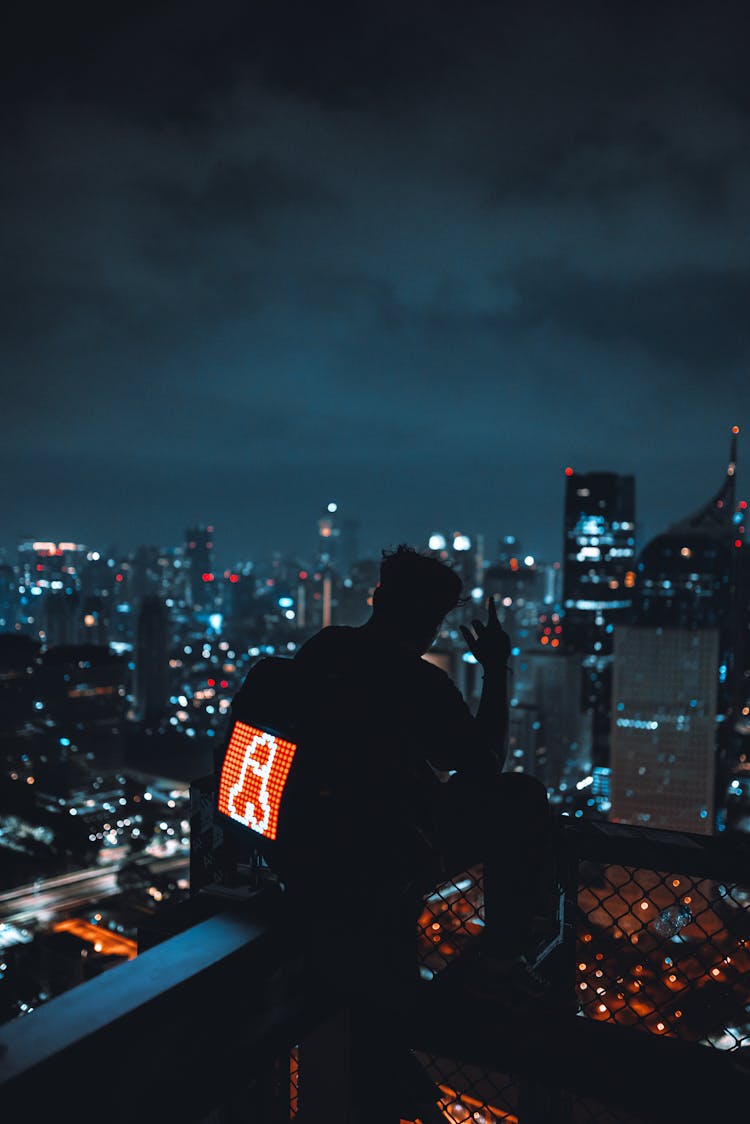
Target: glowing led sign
(253, 776)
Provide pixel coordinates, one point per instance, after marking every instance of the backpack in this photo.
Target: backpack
(275, 772)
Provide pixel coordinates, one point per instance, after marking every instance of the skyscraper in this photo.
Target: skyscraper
(598, 581)
(680, 671)
(557, 745)
(599, 550)
(198, 548)
(151, 665)
(664, 728)
(687, 575)
(329, 531)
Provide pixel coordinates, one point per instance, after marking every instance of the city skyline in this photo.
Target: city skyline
(415, 261)
(300, 542)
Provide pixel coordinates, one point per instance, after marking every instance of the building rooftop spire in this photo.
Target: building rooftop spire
(715, 517)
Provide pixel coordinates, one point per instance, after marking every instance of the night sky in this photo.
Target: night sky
(412, 257)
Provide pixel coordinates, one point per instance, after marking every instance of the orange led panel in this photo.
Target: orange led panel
(253, 775)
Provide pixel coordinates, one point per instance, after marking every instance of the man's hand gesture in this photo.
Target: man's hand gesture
(489, 643)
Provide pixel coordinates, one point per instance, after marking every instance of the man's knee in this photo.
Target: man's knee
(525, 797)
(525, 787)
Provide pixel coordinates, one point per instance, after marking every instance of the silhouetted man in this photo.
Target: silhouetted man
(400, 727)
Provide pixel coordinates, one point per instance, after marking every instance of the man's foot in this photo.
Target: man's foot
(484, 977)
(514, 979)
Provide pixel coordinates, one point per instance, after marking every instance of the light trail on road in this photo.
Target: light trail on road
(39, 902)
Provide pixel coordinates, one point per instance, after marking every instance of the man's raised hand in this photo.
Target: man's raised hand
(489, 643)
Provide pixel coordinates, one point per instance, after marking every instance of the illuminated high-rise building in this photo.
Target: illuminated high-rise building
(517, 582)
(145, 577)
(680, 672)
(663, 743)
(599, 551)
(49, 574)
(550, 737)
(93, 621)
(83, 683)
(598, 580)
(687, 575)
(329, 532)
(198, 558)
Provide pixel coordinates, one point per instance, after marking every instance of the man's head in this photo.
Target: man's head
(413, 595)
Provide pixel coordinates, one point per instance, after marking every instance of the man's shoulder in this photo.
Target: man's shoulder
(332, 638)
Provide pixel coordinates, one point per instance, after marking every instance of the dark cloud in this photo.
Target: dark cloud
(693, 320)
(166, 61)
(235, 195)
(418, 255)
(171, 63)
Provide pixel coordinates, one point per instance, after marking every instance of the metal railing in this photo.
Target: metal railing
(198, 1021)
(654, 936)
(222, 1021)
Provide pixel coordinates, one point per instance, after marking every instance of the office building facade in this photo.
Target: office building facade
(689, 636)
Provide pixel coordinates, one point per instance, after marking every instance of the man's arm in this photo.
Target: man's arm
(490, 645)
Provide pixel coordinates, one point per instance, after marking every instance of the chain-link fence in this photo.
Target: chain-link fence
(452, 916)
(667, 952)
(293, 1082)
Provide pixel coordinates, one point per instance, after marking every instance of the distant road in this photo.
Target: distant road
(40, 902)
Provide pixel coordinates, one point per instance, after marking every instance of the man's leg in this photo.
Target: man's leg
(518, 864)
(505, 824)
